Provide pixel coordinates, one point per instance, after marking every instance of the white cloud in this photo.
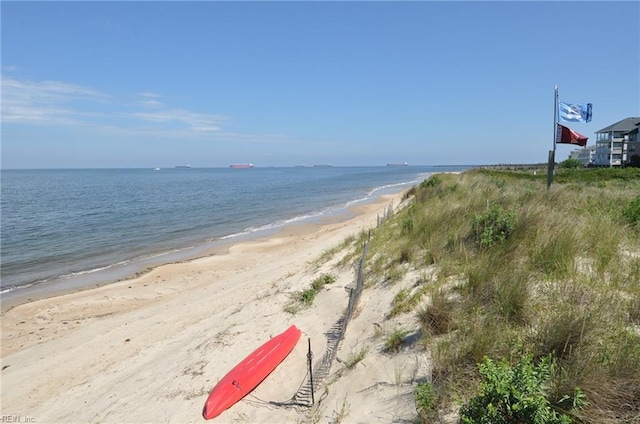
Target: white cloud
(26, 114)
(44, 101)
(151, 103)
(195, 121)
(88, 111)
(151, 95)
(47, 90)
(60, 103)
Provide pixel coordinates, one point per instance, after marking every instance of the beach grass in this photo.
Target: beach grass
(349, 248)
(305, 298)
(394, 339)
(536, 273)
(356, 356)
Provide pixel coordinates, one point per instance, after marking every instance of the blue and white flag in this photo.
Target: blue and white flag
(571, 112)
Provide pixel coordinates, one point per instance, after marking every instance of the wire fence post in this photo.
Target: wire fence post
(310, 362)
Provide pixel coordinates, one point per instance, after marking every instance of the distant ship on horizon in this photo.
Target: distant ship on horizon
(183, 166)
(398, 164)
(241, 165)
(328, 165)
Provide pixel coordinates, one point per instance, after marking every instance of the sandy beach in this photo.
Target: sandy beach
(149, 349)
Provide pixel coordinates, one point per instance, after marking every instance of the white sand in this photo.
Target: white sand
(149, 349)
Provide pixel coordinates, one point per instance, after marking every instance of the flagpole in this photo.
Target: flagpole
(555, 119)
(552, 153)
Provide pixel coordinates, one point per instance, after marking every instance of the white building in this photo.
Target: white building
(585, 155)
(618, 144)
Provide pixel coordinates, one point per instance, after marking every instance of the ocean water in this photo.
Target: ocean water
(69, 228)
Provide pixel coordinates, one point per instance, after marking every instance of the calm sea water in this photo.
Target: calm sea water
(78, 227)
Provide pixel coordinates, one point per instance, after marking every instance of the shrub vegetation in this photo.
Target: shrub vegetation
(517, 394)
(632, 211)
(545, 282)
(571, 163)
(426, 401)
(493, 226)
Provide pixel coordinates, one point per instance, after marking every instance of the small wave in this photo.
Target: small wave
(12, 288)
(373, 192)
(26, 285)
(93, 270)
(160, 254)
(388, 186)
(241, 233)
(75, 274)
(274, 225)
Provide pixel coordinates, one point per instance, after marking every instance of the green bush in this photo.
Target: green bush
(516, 395)
(631, 212)
(431, 182)
(571, 163)
(426, 397)
(493, 226)
(307, 296)
(407, 225)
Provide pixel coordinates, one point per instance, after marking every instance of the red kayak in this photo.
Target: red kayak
(250, 372)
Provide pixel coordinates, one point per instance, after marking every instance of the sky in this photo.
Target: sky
(158, 84)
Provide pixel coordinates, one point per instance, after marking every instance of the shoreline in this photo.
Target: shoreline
(164, 338)
(95, 249)
(89, 280)
(130, 269)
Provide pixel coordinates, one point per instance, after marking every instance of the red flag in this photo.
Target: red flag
(569, 136)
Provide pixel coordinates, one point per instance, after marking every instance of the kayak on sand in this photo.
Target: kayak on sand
(249, 373)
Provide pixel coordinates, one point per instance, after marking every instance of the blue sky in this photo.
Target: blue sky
(146, 84)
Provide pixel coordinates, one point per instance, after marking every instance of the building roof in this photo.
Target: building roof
(627, 124)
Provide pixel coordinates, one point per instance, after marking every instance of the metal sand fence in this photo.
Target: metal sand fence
(305, 394)
(317, 374)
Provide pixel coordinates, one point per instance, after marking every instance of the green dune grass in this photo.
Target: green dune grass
(524, 273)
